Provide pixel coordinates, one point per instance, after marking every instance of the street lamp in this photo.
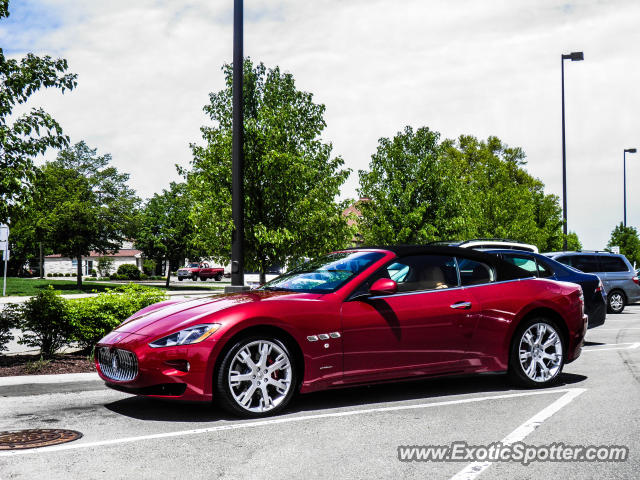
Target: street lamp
(624, 180)
(574, 57)
(237, 174)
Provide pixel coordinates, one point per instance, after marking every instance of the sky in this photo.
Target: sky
(474, 67)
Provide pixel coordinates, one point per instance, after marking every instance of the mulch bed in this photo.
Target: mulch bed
(31, 365)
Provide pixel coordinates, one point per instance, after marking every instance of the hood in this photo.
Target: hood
(185, 313)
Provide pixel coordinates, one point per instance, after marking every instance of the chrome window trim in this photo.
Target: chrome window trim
(420, 292)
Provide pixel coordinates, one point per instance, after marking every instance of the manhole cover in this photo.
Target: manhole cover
(34, 438)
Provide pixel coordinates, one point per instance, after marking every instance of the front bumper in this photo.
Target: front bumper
(161, 370)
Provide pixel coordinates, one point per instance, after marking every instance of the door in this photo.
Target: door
(420, 330)
(616, 274)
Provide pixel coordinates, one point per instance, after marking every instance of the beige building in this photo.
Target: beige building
(59, 264)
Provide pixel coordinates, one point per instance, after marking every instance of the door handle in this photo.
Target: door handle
(461, 305)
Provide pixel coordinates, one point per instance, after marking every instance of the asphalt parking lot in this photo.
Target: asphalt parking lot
(351, 433)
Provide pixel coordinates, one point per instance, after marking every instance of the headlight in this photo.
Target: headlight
(187, 336)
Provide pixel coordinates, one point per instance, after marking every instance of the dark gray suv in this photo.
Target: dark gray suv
(618, 276)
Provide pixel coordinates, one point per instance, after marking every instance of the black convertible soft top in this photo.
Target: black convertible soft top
(504, 270)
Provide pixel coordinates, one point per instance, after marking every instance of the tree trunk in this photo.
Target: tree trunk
(263, 276)
(168, 272)
(79, 272)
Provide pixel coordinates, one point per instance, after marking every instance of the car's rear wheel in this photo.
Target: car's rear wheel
(218, 277)
(204, 279)
(537, 353)
(616, 301)
(256, 378)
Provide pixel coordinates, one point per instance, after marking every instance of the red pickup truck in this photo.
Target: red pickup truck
(200, 270)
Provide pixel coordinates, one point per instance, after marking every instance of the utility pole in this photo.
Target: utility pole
(237, 170)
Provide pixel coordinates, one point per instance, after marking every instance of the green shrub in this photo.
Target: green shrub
(105, 264)
(93, 272)
(44, 320)
(36, 366)
(7, 322)
(49, 274)
(115, 276)
(144, 276)
(94, 317)
(149, 266)
(130, 271)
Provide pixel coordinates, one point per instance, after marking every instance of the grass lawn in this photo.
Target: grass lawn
(31, 286)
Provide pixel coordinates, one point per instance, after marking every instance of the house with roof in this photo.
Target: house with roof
(127, 255)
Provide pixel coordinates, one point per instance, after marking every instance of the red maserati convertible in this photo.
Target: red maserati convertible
(351, 317)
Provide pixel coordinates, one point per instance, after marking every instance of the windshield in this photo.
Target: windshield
(325, 274)
(193, 265)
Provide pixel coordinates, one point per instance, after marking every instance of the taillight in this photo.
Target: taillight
(599, 287)
(635, 279)
(581, 299)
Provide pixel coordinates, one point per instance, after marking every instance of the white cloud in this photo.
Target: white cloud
(479, 67)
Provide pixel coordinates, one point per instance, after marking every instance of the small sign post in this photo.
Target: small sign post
(615, 249)
(4, 248)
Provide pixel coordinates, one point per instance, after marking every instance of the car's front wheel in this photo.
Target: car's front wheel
(256, 378)
(616, 302)
(537, 353)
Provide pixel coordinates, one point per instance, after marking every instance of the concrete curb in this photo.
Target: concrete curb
(43, 379)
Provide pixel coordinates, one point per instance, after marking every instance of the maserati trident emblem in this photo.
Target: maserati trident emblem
(115, 364)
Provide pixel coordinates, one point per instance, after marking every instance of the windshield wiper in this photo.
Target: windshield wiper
(277, 289)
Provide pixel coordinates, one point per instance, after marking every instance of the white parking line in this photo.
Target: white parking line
(615, 329)
(631, 346)
(474, 469)
(283, 420)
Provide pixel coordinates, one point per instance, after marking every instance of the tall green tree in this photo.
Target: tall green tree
(166, 231)
(22, 137)
(414, 191)
(627, 239)
(291, 178)
(508, 201)
(81, 203)
(423, 189)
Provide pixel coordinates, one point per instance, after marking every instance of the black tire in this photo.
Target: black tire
(517, 372)
(222, 390)
(616, 301)
(194, 278)
(218, 277)
(179, 279)
(203, 279)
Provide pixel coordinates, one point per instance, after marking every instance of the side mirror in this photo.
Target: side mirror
(383, 286)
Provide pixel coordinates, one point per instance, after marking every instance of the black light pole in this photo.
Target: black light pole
(237, 183)
(624, 180)
(574, 57)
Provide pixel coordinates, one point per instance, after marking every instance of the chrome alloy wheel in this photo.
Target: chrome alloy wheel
(260, 376)
(616, 302)
(540, 352)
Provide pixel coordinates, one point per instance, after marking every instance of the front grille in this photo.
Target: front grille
(116, 364)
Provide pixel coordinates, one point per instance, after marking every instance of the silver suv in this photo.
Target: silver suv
(618, 276)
